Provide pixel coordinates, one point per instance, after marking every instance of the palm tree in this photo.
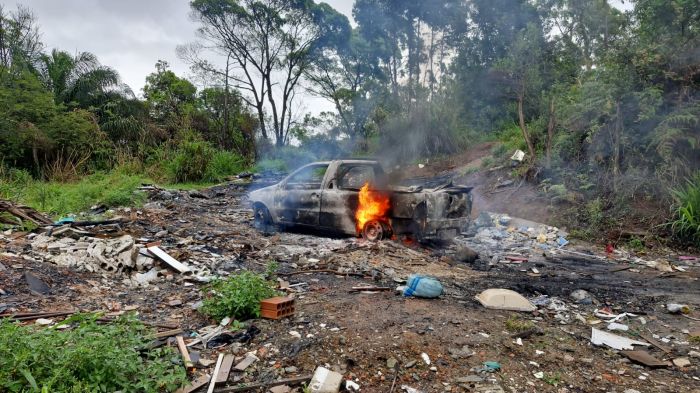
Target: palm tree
(80, 80)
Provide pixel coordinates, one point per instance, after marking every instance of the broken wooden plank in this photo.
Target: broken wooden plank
(194, 385)
(163, 256)
(371, 289)
(183, 351)
(258, 385)
(216, 373)
(168, 333)
(225, 368)
(655, 343)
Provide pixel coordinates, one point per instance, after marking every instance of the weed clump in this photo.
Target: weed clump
(516, 325)
(87, 357)
(238, 296)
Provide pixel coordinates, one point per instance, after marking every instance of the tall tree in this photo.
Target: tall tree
(20, 44)
(270, 43)
(168, 97)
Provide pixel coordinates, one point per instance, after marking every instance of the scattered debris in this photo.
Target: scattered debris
(21, 214)
(519, 155)
(36, 285)
(163, 256)
(681, 362)
(249, 359)
(675, 308)
(643, 357)
(599, 337)
(325, 381)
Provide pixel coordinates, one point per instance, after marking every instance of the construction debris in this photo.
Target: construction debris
(599, 337)
(21, 214)
(325, 381)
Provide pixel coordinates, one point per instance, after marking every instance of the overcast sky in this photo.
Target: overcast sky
(131, 35)
(127, 35)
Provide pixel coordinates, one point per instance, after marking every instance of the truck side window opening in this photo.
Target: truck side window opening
(354, 177)
(308, 179)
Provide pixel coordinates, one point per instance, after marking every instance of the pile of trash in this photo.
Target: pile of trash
(493, 235)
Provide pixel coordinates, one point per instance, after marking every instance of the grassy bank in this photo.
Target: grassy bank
(118, 187)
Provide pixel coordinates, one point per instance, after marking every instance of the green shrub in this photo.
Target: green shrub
(558, 190)
(686, 211)
(87, 357)
(190, 161)
(238, 296)
(223, 164)
(594, 214)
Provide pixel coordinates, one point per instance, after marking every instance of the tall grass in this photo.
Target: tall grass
(114, 188)
(686, 211)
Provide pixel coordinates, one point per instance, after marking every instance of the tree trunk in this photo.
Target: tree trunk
(226, 115)
(617, 139)
(523, 128)
(550, 132)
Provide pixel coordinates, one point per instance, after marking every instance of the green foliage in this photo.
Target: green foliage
(636, 244)
(516, 324)
(552, 379)
(190, 161)
(686, 211)
(113, 188)
(238, 296)
(196, 160)
(223, 164)
(86, 357)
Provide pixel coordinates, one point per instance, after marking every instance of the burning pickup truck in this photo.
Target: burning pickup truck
(353, 197)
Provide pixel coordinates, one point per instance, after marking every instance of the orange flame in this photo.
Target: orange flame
(372, 205)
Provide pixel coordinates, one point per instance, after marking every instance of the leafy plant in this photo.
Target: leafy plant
(517, 325)
(636, 244)
(191, 161)
(238, 296)
(686, 210)
(552, 379)
(224, 163)
(86, 357)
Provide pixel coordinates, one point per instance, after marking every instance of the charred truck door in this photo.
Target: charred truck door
(340, 197)
(299, 199)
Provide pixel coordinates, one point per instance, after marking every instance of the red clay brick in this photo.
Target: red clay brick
(277, 307)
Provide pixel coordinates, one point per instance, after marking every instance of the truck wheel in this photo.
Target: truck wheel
(375, 231)
(262, 220)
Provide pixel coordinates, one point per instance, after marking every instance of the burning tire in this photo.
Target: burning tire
(375, 231)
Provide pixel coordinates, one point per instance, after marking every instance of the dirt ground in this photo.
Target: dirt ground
(377, 339)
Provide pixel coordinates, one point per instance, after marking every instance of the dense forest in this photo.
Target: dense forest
(603, 101)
